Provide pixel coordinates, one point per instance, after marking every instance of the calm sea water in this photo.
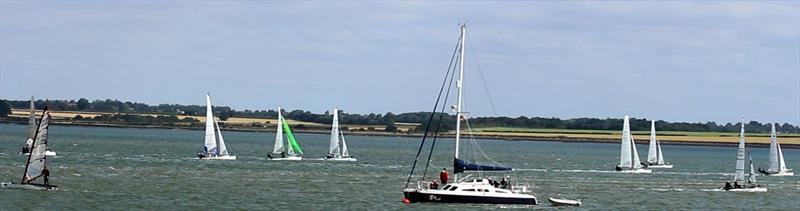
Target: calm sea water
(119, 168)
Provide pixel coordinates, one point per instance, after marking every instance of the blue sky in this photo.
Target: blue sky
(676, 61)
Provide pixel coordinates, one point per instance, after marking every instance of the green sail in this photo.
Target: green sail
(292, 141)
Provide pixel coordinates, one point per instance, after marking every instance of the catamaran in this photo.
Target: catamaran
(739, 184)
(26, 149)
(338, 147)
(777, 165)
(291, 149)
(214, 147)
(655, 159)
(466, 190)
(628, 157)
(36, 173)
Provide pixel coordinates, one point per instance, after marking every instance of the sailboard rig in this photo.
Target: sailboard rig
(290, 150)
(655, 158)
(740, 183)
(26, 149)
(628, 157)
(777, 164)
(36, 172)
(214, 146)
(337, 150)
(467, 190)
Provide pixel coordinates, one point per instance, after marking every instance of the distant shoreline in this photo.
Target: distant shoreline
(557, 138)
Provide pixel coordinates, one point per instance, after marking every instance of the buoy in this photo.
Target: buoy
(406, 201)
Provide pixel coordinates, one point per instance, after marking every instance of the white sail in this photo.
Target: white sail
(344, 147)
(752, 176)
(628, 156)
(37, 159)
(739, 173)
(660, 155)
(782, 162)
(211, 139)
(333, 149)
(774, 165)
(636, 162)
(222, 149)
(32, 121)
(652, 152)
(278, 148)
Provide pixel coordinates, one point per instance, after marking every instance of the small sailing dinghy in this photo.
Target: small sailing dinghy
(36, 172)
(291, 149)
(214, 147)
(564, 202)
(467, 190)
(655, 159)
(628, 157)
(26, 149)
(777, 165)
(739, 184)
(338, 147)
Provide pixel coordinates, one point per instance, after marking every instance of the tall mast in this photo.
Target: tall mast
(460, 86)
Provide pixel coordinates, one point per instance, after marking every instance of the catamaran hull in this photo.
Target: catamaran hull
(287, 158)
(224, 157)
(340, 159)
(659, 166)
(749, 190)
(414, 196)
(636, 171)
(11, 185)
(780, 174)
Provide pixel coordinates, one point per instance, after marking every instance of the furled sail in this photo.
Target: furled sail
(37, 159)
(462, 165)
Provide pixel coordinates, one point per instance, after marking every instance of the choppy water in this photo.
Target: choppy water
(116, 168)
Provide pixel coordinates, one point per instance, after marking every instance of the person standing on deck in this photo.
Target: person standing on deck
(443, 176)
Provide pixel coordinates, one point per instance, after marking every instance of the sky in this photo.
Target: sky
(675, 61)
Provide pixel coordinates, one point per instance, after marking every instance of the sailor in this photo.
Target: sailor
(46, 174)
(443, 176)
(503, 183)
(269, 156)
(434, 185)
(618, 168)
(727, 186)
(737, 185)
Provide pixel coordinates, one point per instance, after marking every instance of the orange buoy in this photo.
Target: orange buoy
(406, 201)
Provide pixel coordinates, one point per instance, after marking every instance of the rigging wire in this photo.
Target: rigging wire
(485, 85)
(441, 115)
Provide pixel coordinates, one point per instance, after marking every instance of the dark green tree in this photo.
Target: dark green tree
(83, 104)
(5, 108)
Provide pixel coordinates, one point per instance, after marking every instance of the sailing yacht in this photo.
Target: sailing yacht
(739, 184)
(36, 172)
(628, 157)
(338, 147)
(777, 164)
(26, 149)
(467, 190)
(214, 147)
(291, 149)
(655, 159)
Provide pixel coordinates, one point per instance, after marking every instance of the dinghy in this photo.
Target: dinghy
(564, 202)
(739, 183)
(26, 149)
(628, 157)
(214, 147)
(467, 190)
(655, 159)
(36, 172)
(289, 151)
(337, 151)
(777, 165)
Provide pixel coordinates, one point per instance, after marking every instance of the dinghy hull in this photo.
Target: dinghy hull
(340, 159)
(660, 166)
(287, 158)
(636, 171)
(564, 202)
(749, 190)
(416, 196)
(224, 157)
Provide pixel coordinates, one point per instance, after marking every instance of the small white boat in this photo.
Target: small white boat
(36, 172)
(564, 202)
(777, 164)
(214, 147)
(739, 182)
(337, 151)
(291, 149)
(628, 157)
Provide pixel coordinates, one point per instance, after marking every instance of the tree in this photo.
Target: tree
(5, 108)
(390, 128)
(83, 104)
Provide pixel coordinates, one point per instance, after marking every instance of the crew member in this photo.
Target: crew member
(46, 174)
(443, 176)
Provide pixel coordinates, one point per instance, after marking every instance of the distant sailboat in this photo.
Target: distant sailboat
(26, 149)
(214, 147)
(36, 172)
(738, 178)
(338, 148)
(291, 149)
(655, 158)
(777, 165)
(628, 157)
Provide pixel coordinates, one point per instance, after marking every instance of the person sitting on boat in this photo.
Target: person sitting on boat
(618, 168)
(443, 176)
(736, 185)
(727, 186)
(433, 185)
(762, 171)
(46, 174)
(503, 183)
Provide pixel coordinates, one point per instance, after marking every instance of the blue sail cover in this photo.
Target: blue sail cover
(461, 166)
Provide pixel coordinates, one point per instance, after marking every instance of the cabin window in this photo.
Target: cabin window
(501, 191)
(446, 187)
(453, 188)
(479, 180)
(469, 190)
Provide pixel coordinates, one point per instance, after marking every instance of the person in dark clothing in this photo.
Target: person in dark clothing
(46, 175)
(727, 186)
(503, 183)
(434, 185)
(618, 168)
(737, 185)
(443, 176)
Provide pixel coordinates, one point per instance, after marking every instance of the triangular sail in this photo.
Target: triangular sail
(211, 139)
(660, 155)
(222, 149)
(293, 148)
(782, 162)
(344, 147)
(636, 162)
(752, 176)
(278, 148)
(774, 161)
(333, 149)
(739, 173)
(652, 152)
(32, 121)
(37, 159)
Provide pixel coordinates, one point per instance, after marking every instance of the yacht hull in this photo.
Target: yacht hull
(415, 196)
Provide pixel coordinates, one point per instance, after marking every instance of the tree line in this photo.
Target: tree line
(389, 118)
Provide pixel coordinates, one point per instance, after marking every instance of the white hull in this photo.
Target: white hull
(287, 158)
(340, 159)
(224, 157)
(46, 153)
(749, 190)
(636, 171)
(660, 167)
(785, 173)
(562, 201)
(10, 185)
